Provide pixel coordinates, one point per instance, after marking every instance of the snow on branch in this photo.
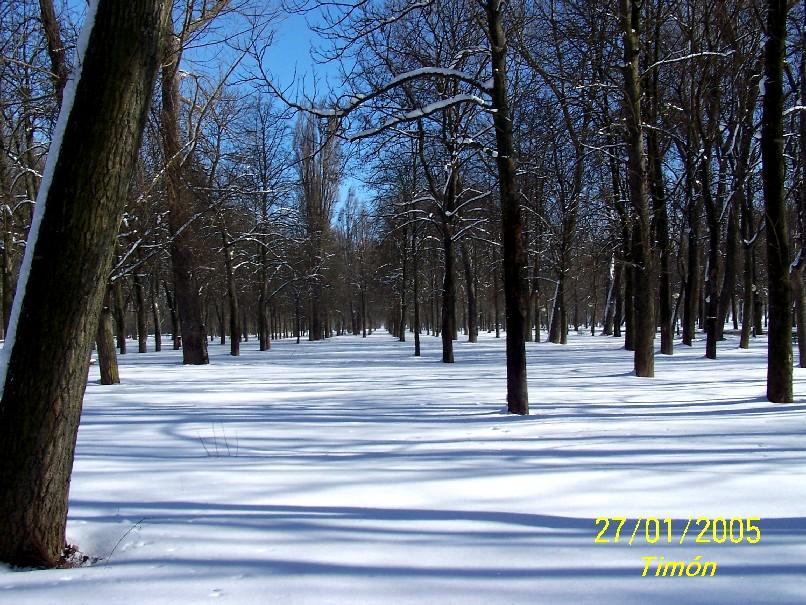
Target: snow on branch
(421, 112)
(689, 57)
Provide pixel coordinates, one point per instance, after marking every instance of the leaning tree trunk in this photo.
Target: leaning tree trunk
(779, 352)
(515, 289)
(644, 361)
(48, 351)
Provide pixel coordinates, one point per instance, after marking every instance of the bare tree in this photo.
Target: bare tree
(47, 352)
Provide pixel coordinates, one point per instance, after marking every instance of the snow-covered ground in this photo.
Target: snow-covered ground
(350, 472)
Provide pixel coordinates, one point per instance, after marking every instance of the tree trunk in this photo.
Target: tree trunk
(497, 310)
(559, 323)
(629, 292)
(175, 329)
(107, 360)
(713, 215)
(186, 294)
(48, 351)
(448, 298)
(779, 352)
(142, 317)
(120, 317)
(644, 297)
(798, 292)
(416, 293)
(511, 222)
(155, 312)
(727, 295)
(53, 35)
(658, 190)
(470, 286)
(232, 298)
(690, 303)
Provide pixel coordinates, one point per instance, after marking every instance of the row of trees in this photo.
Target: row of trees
(537, 164)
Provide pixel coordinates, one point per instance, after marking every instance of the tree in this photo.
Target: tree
(630, 15)
(78, 212)
(779, 355)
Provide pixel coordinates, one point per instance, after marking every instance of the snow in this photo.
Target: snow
(68, 97)
(350, 472)
(420, 112)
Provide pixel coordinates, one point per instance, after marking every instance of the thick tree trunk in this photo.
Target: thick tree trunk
(48, 352)
(779, 353)
(644, 296)
(511, 222)
(186, 294)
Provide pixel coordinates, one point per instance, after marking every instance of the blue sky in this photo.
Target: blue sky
(289, 60)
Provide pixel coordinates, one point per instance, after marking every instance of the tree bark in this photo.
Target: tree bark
(511, 222)
(448, 297)
(48, 356)
(142, 316)
(120, 317)
(155, 311)
(232, 298)
(53, 35)
(470, 287)
(186, 294)
(107, 359)
(644, 297)
(416, 292)
(779, 352)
